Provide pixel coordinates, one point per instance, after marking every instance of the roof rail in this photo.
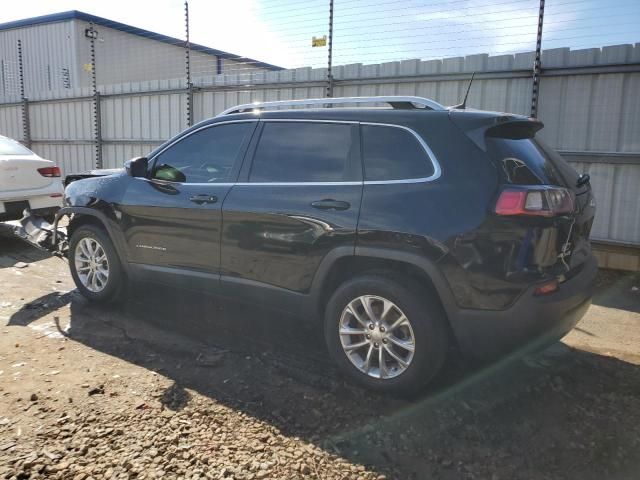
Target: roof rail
(398, 102)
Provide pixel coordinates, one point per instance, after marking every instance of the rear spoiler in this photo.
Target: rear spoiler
(479, 125)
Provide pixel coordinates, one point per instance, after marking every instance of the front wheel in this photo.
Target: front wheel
(384, 335)
(94, 263)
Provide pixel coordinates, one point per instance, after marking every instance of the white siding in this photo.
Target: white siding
(57, 56)
(48, 52)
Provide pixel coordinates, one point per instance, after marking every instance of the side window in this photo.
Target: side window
(306, 152)
(206, 156)
(392, 153)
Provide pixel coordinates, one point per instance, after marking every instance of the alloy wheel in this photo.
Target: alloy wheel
(376, 336)
(92, 264)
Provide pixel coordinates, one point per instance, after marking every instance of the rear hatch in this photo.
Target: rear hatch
(559, 239)
(530, 162)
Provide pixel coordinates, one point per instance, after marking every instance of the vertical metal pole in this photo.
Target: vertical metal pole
(329, 62)
(26, 124)
(188, 66)
(537, 65)
(97, 117)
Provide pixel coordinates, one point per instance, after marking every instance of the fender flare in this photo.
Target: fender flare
(118, 241)
(428, 266)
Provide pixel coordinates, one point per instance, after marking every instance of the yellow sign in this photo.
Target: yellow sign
(319, 42)
(87, 67)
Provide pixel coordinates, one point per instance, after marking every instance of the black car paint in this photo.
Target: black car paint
(175, 231)
(101, 172)
(268, 243)
(273, 234)
(278, 234)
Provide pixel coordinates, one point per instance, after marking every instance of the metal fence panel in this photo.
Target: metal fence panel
(114, 154)
(629, 140)
(615, 187)
(595, 111)
(625, 207)
(129, 112)
(70, 157)
(61, 120)
(11, 121)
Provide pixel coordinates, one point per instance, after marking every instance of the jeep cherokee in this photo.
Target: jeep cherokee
(405, 230)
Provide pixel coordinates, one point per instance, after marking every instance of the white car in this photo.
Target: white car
(27, 181)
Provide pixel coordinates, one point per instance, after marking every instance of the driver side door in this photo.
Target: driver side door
(172, 219)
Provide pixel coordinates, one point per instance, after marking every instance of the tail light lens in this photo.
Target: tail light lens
(49, 171)
(547, 288)
(535, 201)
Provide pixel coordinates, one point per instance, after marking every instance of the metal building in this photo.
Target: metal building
(56, 54)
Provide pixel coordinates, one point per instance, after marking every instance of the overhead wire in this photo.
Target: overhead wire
(391, 30)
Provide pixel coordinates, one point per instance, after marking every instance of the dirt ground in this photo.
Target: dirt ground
(172, 385)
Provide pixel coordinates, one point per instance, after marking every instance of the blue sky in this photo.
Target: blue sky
(371, 31)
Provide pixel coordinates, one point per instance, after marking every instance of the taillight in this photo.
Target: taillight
(49, 171)
(537, 201)
(547, 288)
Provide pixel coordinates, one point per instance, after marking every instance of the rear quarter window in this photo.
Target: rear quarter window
(393, 153)
(530, 162)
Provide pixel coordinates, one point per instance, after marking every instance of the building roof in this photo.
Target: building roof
(87, 17)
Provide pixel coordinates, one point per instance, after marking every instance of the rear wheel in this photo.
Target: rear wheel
(94, 263)
(384, 335)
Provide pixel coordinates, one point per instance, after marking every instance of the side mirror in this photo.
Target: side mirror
(137, 167)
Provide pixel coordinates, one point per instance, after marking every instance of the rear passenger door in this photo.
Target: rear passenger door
(296, 201)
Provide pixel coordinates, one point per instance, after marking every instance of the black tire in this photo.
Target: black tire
(427, 322)
(115, 282)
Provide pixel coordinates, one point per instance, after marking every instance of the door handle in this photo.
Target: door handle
(203, 198)
(330, 204)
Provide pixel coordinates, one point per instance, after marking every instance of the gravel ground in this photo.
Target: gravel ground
(172, 385)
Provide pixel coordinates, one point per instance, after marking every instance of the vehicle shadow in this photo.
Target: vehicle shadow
(40, 307)
(559, 413)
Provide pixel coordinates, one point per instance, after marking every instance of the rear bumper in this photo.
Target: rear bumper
(531, 323)
(35, 194)
(41, 203)
(40, 212)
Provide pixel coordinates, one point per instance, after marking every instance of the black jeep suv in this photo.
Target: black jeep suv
(405, 230)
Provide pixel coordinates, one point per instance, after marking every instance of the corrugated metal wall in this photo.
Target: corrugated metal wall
(49, 60)
(134, 124)
(617, 191)
(54, 124)
(11, 121)
(588, 100)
